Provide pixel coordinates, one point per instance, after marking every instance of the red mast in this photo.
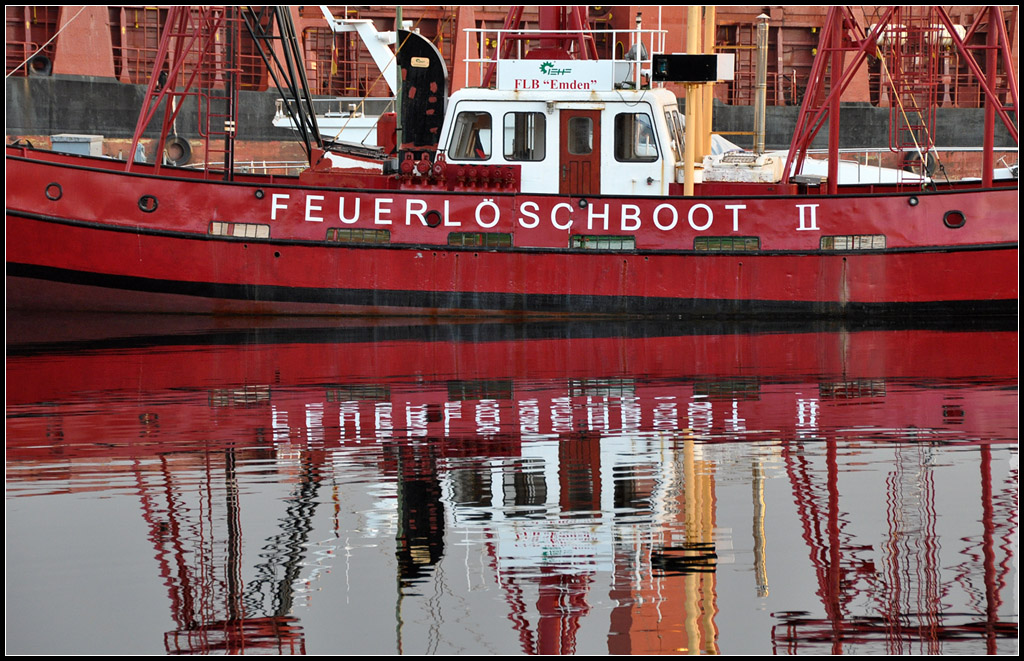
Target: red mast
(904, 39)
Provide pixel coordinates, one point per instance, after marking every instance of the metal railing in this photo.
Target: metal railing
(258, 167)
(490, 40)
(946, 163)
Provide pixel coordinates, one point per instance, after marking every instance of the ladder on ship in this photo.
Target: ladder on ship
(911, 55)
(217, 92)
(913, 80)
(197, 57)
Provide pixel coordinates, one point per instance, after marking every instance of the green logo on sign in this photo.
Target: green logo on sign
(548, 69)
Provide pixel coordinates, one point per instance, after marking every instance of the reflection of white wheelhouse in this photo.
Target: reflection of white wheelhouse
(621, 142)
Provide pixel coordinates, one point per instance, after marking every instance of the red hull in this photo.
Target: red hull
(70, 249)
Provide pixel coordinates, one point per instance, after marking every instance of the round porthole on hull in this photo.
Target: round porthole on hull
(954, 219)
(148, 203)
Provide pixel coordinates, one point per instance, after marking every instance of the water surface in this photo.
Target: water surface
(176, 485)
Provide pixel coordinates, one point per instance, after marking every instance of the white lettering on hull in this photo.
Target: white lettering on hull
(310, 208)
(488, 213)
(735, 208)
(806, 223)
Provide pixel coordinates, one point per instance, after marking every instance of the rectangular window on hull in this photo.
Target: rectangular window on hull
(524, 136)
(344, 235)
(480, 239)
(239, 230)
(583, 242)
(854, 242)
(726, 243)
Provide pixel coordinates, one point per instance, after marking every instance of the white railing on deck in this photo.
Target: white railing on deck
(872, 162)
(653, 41)
(288, 168)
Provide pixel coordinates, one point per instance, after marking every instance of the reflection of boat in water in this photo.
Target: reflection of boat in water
(479, 363)
(579, 456)
(485, 213)
(449, 360)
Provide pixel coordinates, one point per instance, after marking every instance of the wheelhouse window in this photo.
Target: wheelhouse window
(675, 127)
(634, 138)
(525, 136)
(581, 136)
(471, 136)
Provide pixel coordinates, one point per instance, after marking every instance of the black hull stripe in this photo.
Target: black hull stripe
(507, 303)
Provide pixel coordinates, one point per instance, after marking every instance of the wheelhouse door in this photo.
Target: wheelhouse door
(579, 171)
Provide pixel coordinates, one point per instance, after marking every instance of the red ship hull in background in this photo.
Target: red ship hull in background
(443, 237)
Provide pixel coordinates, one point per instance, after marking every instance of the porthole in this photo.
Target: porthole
(954, 219)
(148, 203)
(54, 191)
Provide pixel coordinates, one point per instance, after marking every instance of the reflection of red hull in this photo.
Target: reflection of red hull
(198, 420)
(263, 635)
(69, 247)
(167, 398)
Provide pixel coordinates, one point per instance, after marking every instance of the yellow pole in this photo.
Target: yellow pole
(761, 83)
(689, 151)
(691, 529)
(698, 47)
(709, 89)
